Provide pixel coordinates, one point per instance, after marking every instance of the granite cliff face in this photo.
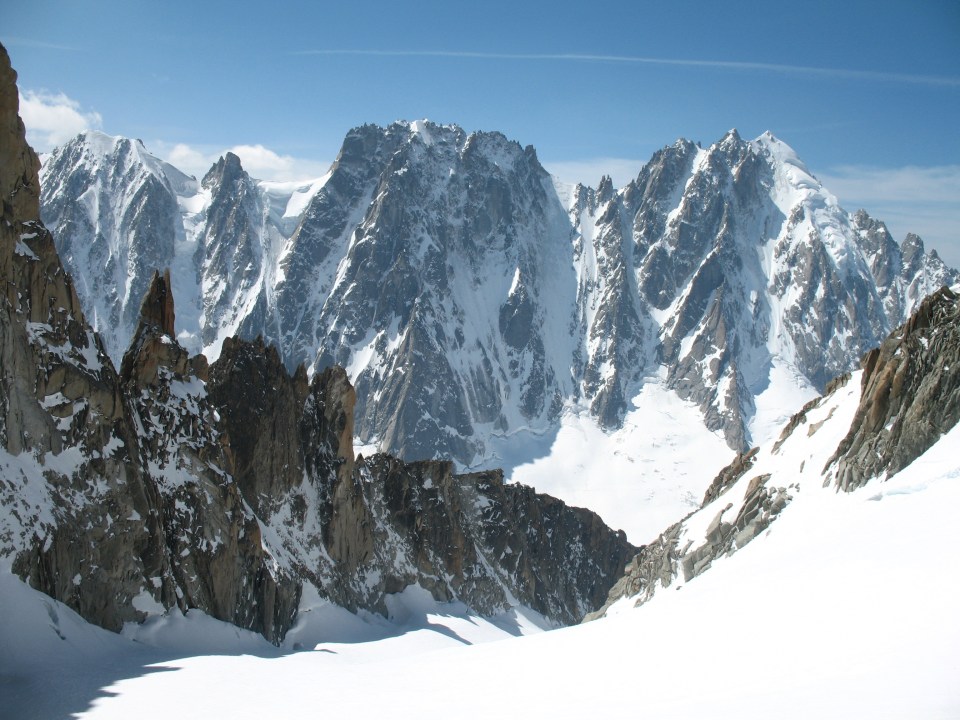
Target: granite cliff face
(114, 498)
(79, 516)
(219, 562)
(867, 427)
(360, 528)
(910, 394)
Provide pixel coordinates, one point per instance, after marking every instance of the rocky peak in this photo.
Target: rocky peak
(225, 171)
(19, 165)
(126, 226)
(154, 351)
(912, 248)
(156, 310)
(605, 189)
(729, 147)
(219, 561)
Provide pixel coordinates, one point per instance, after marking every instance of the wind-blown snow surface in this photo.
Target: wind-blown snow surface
(845, 607)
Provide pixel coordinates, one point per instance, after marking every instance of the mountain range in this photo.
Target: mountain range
(204, 510)
(233, 488)
(474, 300)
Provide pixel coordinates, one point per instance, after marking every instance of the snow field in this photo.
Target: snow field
(641, 478)
(845, 607)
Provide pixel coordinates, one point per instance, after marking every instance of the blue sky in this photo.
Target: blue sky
(867, 93)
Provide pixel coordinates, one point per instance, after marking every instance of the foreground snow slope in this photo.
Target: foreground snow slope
(846, 608)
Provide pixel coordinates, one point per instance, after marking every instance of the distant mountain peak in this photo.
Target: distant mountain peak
(226, 169)
(716, 267)
(731, 136)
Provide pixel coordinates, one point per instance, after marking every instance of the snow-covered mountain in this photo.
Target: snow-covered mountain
(233, 488)
(186, 504)
(818, 577)
(474, 302)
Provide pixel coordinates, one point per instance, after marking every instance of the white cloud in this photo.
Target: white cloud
(589, 172)
(264, 164)
(261, 162)
(921, 200)
(52, 119)
(185, 158)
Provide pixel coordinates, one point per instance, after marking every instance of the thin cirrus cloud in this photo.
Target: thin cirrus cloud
(32, 43)
(838, 73)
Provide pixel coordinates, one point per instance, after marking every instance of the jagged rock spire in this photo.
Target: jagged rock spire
(226, 169)
(157, 307)
(19, 165)
(152, 347)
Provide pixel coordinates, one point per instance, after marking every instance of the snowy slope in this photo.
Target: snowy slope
(640, 478)
(845, 608)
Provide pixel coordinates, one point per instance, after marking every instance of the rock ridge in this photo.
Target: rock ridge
(907, 398)
(910, 394)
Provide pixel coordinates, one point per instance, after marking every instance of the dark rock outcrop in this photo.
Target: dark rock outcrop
(79, 520)
(562, 558)
(361, 528)
(497, 543)
(910, 394)
(909, 398)
(112, 498)
(218, 559)
(669, 558)
(261, 406)
(729, 475)
(19, 164)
